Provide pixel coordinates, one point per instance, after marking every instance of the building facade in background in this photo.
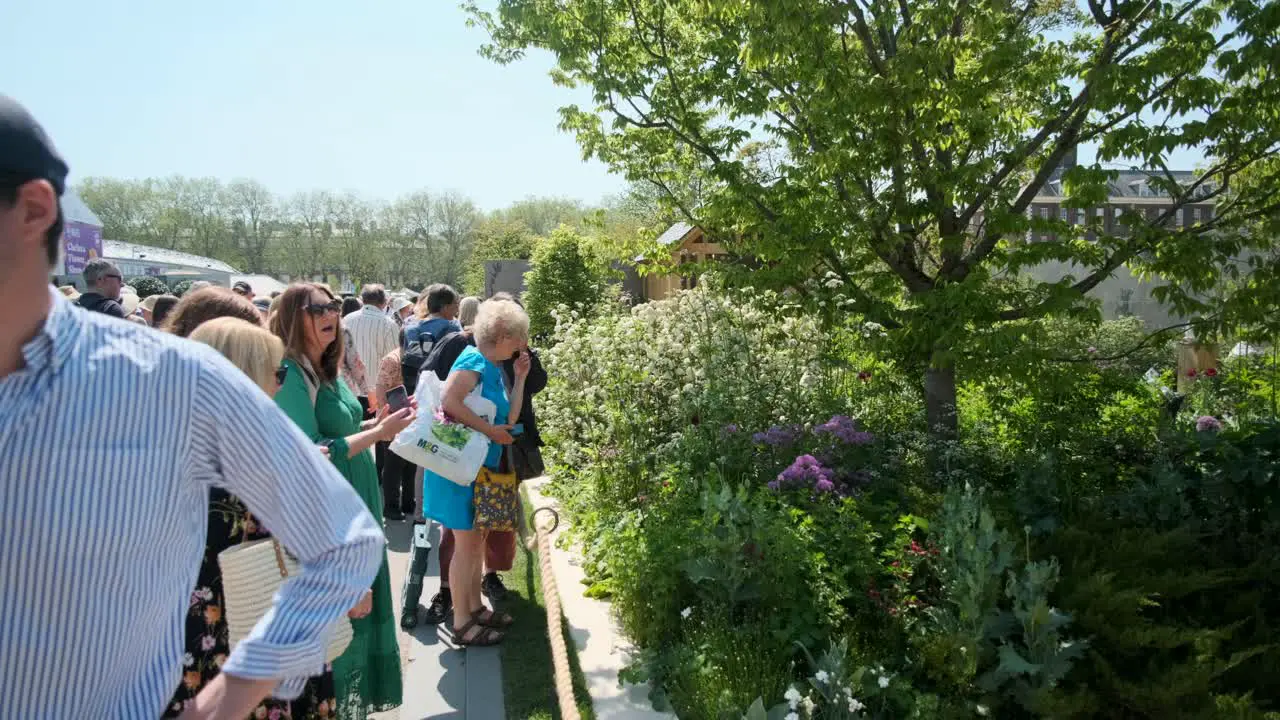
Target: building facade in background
(1132, 195)
(171, 266)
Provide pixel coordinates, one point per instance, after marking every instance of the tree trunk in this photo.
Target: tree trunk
(940, 403)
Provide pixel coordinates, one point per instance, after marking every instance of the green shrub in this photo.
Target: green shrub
(562, 276)
(181, 288)
(147, 286)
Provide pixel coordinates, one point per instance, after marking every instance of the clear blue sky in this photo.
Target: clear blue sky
(380, 97)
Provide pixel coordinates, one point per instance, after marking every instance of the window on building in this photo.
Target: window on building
(1044, 212)
(1195, 214)
(1081, 217)
(1063, 215)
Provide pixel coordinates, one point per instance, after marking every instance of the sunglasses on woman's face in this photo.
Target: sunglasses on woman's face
(282, 372)
(320, 309)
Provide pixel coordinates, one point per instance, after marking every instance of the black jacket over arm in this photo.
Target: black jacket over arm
(534, 384)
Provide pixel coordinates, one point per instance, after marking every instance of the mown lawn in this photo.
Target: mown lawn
(527, 669)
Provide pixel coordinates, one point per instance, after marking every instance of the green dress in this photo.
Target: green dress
(367, 676)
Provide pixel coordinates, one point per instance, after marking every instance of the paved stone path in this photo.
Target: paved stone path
(440, 681)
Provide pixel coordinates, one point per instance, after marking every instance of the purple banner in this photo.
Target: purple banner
(81, 242)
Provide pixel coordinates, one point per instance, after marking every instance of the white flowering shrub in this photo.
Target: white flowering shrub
(836, 691)
(682, 382)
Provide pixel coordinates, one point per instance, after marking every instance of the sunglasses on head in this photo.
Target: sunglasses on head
(319, 309)
(113, 275)
(282, 373)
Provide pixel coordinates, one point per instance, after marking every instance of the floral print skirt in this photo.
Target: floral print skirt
(230, 523)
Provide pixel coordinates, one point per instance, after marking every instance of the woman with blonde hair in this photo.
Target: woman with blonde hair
(501, 332)
(258, 354)
(467, 311)
(313, 395)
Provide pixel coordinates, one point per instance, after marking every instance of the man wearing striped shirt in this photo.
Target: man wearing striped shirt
(111, 436)
(373, 333)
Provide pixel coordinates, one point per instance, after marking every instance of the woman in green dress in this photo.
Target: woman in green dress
(313, 395)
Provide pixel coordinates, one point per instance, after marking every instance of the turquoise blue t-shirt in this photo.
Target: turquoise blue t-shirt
(492, 388)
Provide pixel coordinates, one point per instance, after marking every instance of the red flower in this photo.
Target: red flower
(864, 376)
(1211, 372)
(1191, 373)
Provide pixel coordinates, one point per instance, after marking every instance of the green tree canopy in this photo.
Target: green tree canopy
(884, 154)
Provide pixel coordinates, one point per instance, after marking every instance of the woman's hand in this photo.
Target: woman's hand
(522, 365)
(324, 450)
(390, 425)
(500, 434)
(379, 414)
(362, 608)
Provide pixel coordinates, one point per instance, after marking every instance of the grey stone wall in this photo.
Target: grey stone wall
(505, 276)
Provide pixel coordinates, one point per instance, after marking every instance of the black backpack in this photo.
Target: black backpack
(445, 353)
(414, 359)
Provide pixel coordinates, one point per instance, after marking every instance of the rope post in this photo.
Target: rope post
(551, 599)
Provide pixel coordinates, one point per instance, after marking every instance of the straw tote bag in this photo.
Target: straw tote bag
(251, 575)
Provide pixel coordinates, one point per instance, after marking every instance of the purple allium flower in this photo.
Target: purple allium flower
(730, 429)
(805, 472)
(845, 429)
(1208, 423)
(778, 436)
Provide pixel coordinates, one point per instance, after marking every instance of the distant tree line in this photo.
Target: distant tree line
(416, 239)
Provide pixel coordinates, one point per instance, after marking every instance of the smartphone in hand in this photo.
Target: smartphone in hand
(397, 398)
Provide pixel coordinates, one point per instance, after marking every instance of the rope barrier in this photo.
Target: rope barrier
(555, 632)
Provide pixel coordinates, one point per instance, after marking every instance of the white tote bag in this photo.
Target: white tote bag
(252, 573)
(451, 450)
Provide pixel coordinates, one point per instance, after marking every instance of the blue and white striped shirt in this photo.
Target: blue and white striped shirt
(110, 439)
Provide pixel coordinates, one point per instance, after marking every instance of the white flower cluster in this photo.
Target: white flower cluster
(830, 694)
(639, 379)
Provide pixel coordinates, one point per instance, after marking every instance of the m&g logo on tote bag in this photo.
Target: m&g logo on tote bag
(450, 450)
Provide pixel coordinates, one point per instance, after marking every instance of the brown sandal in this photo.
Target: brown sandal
(490, 619)
(485, 637)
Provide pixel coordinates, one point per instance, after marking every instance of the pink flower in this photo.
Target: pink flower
(1208, 423)
(274, 714)
(1191, 373)
(1211, 372)
(1092, 351)
(206, 642)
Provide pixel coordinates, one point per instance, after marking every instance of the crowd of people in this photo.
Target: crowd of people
(142, 438)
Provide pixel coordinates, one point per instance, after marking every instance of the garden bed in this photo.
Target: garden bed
(756, 495)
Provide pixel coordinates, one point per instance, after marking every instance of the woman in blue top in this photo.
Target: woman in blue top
(501, 332)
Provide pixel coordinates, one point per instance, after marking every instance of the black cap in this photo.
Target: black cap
(242, 287)
(25, 150)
